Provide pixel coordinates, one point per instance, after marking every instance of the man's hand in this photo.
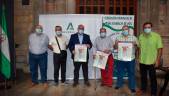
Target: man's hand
(50, 47)
(94, 56)
(101, 57)
(73, 52)
(80, 50)
(106, 51)
(116, 45)
(88, 46)
(157, 64)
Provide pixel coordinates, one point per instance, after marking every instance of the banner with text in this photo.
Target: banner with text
(92, 23)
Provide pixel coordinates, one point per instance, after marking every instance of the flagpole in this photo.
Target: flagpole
(5, 87)
(14, 65)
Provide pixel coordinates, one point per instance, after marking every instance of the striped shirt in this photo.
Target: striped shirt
(128, 39)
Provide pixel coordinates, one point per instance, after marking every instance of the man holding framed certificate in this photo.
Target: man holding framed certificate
(103, 58)
(79, 44)
(126, 45)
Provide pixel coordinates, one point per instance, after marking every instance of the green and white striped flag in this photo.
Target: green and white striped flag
(5, 66)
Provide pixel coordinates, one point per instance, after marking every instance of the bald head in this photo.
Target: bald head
(125, 27)
(102, 30)
(39, 26)
(81, 26)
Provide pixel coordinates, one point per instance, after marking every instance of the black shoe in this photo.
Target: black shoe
(87, 83)
(116, 88)
(75, 84)
(102, 84)
(2, 87)
(133, 90)
(56, 84)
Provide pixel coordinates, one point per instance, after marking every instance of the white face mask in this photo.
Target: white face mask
(38, 30)
(81, 32)
(102, 34)
(147, 30)
(58, 33)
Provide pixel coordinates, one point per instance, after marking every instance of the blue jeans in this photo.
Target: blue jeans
(122, 67)
(35, 61)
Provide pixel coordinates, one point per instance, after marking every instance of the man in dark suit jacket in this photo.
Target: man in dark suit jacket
(80, 38)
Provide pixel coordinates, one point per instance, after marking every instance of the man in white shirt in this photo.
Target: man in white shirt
(58, 44)
(38, 46)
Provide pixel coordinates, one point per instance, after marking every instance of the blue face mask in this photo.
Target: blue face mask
(147, 30)
(125, 32)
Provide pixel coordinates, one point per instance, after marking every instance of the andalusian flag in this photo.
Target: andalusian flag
(5, 66)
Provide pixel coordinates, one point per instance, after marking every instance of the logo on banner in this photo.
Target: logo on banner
(70, 27)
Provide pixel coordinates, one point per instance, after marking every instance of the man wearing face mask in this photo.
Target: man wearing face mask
(123, 65)
(80, 38)
(38, 45)
(58, 45)
(150, 51)
(105, 44)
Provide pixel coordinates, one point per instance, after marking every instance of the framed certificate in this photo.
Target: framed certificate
(100, 60)
(80, 53)
(125, 51)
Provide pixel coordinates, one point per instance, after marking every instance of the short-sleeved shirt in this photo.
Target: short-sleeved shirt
(129, 39)
(149, 45)
(101, 44)
(63, 42)
(38, 44)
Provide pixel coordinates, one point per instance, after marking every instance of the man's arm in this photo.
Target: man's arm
(116, 44)
(50, 47)
(50, 44)
(159, 54)
(70, 44)
(89, 45)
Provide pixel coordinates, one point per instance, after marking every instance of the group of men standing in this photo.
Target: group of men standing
(148, 48)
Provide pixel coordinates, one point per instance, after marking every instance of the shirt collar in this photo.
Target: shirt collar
(150, 34)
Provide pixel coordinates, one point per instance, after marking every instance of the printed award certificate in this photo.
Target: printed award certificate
(125, 51)
(100, 60)
(80, 53)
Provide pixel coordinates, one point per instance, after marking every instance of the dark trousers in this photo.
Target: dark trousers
(144, 71)
(41, 61)
(165, 84)
(59, 61)
(77, 68)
